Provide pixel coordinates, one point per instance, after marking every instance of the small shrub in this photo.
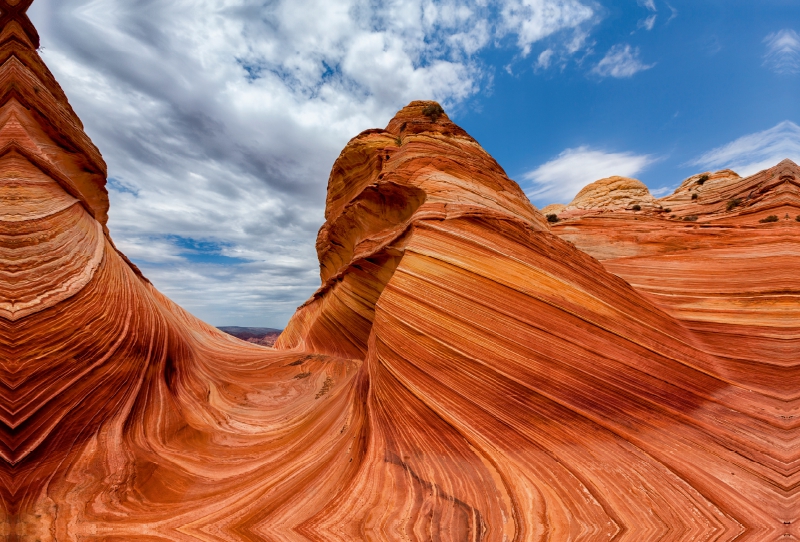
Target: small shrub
(770, 218)
(692, 218)
(797, 218)
(672, 216)
(637, 207)
(702, 179)
(694, 196)
(398, 141)
(552, 218)
(667, 210)
(735, 202)
(434, 111)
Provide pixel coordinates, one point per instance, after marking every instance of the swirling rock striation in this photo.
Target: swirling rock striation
(464, 372)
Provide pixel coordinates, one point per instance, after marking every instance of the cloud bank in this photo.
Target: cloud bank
(220, 119)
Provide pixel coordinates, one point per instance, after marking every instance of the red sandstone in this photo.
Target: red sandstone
(463, 373)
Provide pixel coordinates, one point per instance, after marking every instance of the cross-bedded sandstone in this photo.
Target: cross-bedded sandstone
(465, 371)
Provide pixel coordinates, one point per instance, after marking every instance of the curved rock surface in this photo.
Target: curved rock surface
(553, 208)
(462, 374)
(609, 195)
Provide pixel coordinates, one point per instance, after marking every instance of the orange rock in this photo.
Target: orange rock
(463, 373)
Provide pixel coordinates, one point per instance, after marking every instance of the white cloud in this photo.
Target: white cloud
(751, 153)
(663, 191)
(673, 15)
(545, 58)
(783, 52)
(648, 23)
(220, 119)
(649, 4)
(620, 61)
(534, 20)
(565, 175)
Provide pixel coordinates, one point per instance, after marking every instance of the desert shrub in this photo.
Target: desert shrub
(797, 218)
(434, 111)
(398, 141)
(702, 179)
(552, 218)
(694, 196)
(770, 218)
(667, 210)
(735, 202)
(692, 218)
(637, 207)
(672, 216)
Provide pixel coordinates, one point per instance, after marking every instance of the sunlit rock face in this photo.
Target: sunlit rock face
(464, 372)
(610, 194)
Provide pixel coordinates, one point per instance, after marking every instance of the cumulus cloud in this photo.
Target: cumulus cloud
(621, 61)
(751, 153)
(565, 175)
(783, 52)
(220, 120)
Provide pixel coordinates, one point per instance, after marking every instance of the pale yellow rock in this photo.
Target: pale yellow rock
(553, 208)
(613, 194)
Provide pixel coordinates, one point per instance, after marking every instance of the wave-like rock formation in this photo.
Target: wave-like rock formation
(464, 373)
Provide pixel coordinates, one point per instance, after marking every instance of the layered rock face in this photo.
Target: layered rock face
(463, 373)
(608, 195)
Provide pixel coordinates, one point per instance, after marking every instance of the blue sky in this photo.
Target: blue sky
(709, 80)
(220, 119)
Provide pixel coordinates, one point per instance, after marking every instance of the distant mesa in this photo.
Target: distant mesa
(466, 371)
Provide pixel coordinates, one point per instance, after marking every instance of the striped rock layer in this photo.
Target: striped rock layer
(464, 373)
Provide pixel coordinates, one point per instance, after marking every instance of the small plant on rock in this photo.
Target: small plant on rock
(692, 218)
(694, 196)
(735, 202)
(434, 111)
(667, 210)
(637, 207)
(770, 218)
(552, 218)
(797, 218)
(702, 179)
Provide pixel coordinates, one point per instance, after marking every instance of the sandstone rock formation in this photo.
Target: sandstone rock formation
(464, 373)
(609, 195)
(553, 208)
